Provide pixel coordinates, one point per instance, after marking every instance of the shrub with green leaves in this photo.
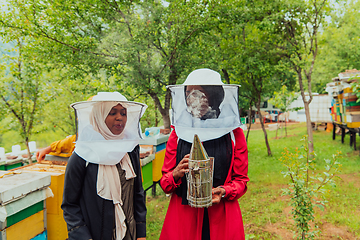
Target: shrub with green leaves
(308, 183)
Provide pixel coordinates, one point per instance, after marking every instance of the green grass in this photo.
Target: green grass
(266, 213)
(157, 207)
(343, 208)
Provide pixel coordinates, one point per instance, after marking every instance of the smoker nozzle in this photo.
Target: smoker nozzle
(198, 151)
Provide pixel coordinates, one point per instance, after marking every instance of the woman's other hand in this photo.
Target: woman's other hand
(181, 168)
(217, 194)
(40, 155)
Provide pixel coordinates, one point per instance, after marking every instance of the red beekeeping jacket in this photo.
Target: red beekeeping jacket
(183, 222)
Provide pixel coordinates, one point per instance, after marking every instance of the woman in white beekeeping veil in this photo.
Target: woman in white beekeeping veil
(203, 105)
(103, 193)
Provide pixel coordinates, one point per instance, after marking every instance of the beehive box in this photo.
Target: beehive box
(22, 205)
(10, 164)
(352, 108)
(18, 210)
(56, 225)
(158, 161)
(146, 171)
(29, 228)
(159, 145)
(346, 109)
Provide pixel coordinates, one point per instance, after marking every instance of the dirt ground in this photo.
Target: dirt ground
(328, 231)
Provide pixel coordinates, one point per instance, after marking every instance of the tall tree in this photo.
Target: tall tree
(299, 23)
(244, 53)
(23, 92)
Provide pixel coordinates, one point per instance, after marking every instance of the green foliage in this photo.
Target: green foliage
(339, 43)
(10, 138)
(140, 47)
(355, 87)
(246, 54)
(145, 43)
(66, 90)
(23, 91)
(307, 185)
(297, 25)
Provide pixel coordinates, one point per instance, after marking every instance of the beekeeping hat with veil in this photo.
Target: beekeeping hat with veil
(205, 106)
(95, 142)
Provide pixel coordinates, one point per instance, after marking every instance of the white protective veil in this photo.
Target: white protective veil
(95, 142)
(205, 106)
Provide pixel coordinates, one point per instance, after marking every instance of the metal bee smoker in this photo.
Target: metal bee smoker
(200, 176)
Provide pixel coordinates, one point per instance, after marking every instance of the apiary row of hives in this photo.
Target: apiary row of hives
(31, 194)
(30, 200)
(345, 108)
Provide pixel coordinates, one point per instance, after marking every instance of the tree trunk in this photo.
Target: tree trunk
(226, 76)
(166, 120)
(285, 128)
(163, 111)
(263, 128)
(174, 74)
(307, 111)
(250, 121)
(156, 118)
(28, 150)
(248, 131)
(309, 127)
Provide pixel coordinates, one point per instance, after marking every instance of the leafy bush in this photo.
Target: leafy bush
(307, 185)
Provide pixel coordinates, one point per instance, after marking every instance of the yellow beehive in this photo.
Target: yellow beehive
(157, 165)
(341, 108)
(340, 97)
(347, 90)
(353, 125)
(56, 225)
(27, 228)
